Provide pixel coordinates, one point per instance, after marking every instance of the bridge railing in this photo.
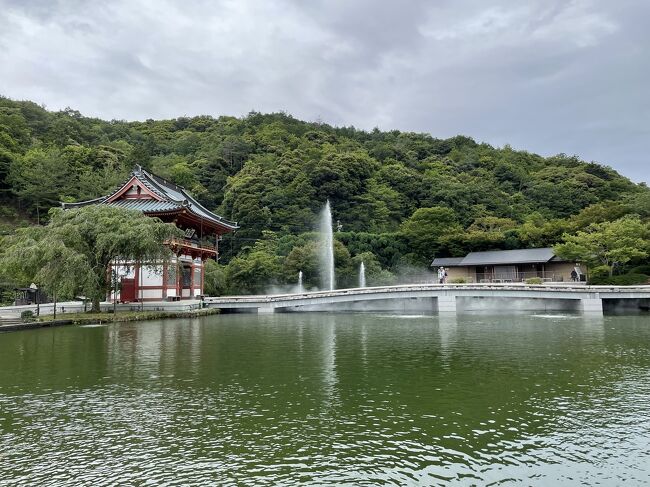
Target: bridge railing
(576, 296)
(577, 289)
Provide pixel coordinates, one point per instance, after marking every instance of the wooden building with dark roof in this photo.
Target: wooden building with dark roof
(515, 265)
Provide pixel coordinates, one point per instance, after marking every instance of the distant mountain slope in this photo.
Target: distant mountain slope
(273, 172)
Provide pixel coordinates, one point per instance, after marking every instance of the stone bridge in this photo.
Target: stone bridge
(446, 298)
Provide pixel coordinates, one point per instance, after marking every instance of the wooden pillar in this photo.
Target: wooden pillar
(179, 277)
(136, 280)
(192, 278)
(203, 275)
(165, 277)
(108, 276)
(109, 280)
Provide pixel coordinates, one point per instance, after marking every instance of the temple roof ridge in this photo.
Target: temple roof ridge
(165, 186)
(171, 196)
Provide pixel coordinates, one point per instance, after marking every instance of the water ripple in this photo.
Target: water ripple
(328, 400)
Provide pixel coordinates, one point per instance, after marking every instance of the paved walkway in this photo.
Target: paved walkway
(78, 307)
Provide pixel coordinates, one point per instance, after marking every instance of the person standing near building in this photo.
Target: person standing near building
(578, 272)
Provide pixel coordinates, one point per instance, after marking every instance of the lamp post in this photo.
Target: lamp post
(116, 273)
(114, 276)
(36, 293)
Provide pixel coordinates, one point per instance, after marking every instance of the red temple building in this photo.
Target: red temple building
(183, 276)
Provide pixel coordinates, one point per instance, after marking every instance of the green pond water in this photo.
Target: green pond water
(329, 399)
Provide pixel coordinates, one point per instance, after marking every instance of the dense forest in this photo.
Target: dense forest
(399, 198)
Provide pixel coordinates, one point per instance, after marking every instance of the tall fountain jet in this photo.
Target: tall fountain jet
(327, 248)
(300, 287)
(362, 275)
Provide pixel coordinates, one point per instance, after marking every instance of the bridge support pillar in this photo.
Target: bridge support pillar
(592, 305)
(446, 304)
(263, 310)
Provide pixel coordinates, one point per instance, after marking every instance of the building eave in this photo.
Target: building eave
(162, 190)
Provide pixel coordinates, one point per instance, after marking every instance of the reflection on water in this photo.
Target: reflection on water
(448, 330)
(361, 399)
(327, 326)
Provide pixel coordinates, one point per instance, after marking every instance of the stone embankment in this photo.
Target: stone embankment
(14, 324)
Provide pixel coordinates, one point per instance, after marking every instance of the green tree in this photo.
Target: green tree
(214, 283)
(604, 211)
(253, 272)
(6, 159)
(537, 231)
(488, 232)
(303, 258)
(427, 227)
(39, 178)
(256, 268)
(345, 273)
(639, 203)
(375, 275)
(608, 244)
(75, 250)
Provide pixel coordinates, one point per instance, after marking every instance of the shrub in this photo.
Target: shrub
(641, 269)
(534, 280)
(629, 279)
(459, 280)
(27, 315)
(8, 212)
(382, 278)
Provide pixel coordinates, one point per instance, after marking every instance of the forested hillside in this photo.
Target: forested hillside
(400, 198)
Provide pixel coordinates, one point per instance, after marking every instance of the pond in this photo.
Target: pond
(327, 398)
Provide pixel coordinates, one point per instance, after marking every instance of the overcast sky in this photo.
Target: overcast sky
(547, 76)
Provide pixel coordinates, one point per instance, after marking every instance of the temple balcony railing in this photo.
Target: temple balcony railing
(190, 247)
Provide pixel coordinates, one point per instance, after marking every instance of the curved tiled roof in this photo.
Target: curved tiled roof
(177, 193)
(147, 206)
(78, 204)
(172, 197)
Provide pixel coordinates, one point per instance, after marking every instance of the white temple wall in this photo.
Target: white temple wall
(150, 278)
(151, 275)
(151, 293)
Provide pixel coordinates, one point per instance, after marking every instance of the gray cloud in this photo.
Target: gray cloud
(546, 76)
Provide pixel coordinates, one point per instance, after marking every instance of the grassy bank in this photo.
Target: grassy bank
(122, 316)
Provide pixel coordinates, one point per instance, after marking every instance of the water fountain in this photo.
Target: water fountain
(300, 287)
(362, 275)
(327, 248)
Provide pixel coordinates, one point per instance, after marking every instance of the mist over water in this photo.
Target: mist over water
(323, 398)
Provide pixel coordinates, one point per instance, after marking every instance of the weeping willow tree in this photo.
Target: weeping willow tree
(73, 253)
